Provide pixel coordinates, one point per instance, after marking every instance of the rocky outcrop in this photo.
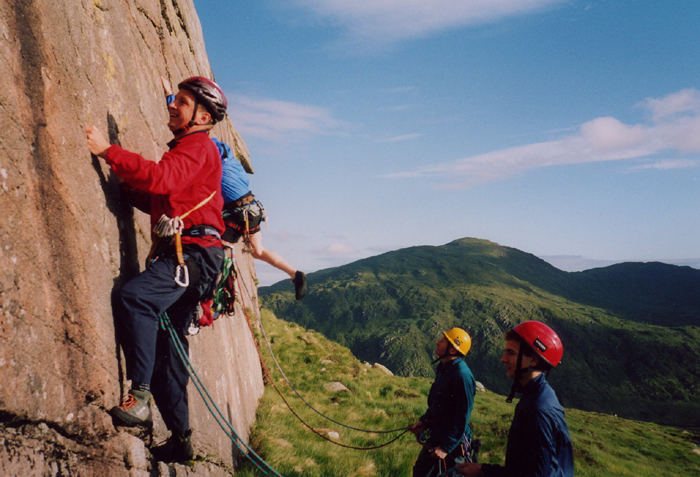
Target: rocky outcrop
(67, 241)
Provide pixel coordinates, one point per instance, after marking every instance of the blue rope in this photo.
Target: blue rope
(226, 426)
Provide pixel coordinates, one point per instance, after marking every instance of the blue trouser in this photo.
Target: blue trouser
(150, 355)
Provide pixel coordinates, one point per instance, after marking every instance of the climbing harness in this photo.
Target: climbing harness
(222, 301)
(167, 227)
(225, 425)
(248, 211)
(269, 347)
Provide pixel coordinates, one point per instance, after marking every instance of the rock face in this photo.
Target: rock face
(67, 241)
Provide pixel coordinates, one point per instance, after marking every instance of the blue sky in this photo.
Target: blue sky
(567, 129)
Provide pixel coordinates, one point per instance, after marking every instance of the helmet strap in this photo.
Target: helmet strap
(445, 354)
(518, 372)
(192, 122)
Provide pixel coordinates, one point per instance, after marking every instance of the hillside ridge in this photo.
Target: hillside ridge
(390, 308)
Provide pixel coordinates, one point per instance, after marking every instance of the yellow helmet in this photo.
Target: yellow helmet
(460, 340)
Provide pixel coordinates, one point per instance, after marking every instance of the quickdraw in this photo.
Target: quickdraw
(246, 232)
(225, 292)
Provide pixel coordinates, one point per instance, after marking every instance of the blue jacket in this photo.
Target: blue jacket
(234, 182)
(450, 405)
(538, 441)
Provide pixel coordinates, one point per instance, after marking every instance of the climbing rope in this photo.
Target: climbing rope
(269, 347)
(225, 425)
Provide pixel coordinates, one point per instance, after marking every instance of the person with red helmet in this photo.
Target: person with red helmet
(182, 194)
(444, 429)
(539, 444)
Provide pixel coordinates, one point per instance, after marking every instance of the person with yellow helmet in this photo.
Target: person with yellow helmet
(444, 428)
(539, 444)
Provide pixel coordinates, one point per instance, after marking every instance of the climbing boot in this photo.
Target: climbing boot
(178, 448)
(299, 285)
(134, 410)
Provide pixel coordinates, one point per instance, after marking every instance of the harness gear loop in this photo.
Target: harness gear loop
(246, 233)
(181, 267)
(167, 227)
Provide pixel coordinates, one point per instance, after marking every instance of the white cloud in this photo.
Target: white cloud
(668, 164)
(285, 236)
(675, 126)
(336, 250)
(684, 101)
(608, 134)
(371, 21)
(405, 137)
(277, 121)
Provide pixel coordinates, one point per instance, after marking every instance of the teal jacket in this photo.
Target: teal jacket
(450, 405)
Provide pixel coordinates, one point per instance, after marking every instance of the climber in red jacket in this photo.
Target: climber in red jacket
(182, 194)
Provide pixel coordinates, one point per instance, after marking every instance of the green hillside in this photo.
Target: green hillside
(604, 445)
(630, 331)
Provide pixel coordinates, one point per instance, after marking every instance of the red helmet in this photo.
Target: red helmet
(208, 94)
(542, 339)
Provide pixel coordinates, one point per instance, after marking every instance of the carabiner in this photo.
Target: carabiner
(186, 274)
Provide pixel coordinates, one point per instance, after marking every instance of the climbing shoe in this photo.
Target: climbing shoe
(134, 410)
(299, 285)
(178, 448)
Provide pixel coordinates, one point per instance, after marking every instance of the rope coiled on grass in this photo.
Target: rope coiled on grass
(267, 373)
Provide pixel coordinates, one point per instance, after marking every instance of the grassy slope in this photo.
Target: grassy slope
(604, 445)
(390, 308)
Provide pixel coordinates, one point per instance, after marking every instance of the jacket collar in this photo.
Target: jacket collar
(451, 363)
(534, 384)
(186, 137)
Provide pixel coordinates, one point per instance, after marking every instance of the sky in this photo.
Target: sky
(566, 129)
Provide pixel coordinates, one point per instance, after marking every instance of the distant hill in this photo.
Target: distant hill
(630, 331)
